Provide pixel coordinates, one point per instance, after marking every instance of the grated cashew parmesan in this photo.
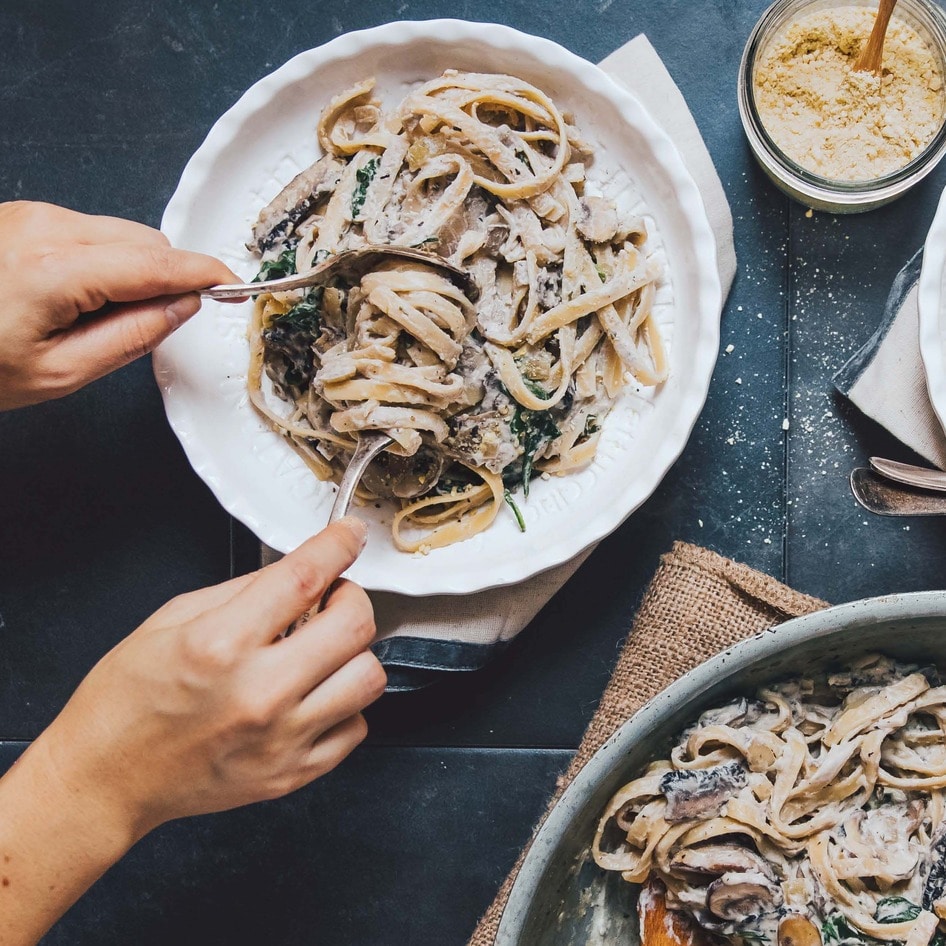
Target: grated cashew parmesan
(843, 124)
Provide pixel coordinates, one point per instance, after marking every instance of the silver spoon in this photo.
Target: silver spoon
(882, 496)
(370, 444)
(350, 263)
(909, 474)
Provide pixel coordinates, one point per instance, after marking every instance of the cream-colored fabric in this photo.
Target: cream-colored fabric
(500, 613)
(638, 68)
(903, 407)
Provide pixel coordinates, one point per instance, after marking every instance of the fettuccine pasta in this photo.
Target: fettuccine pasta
(479, 396)
(811, 814)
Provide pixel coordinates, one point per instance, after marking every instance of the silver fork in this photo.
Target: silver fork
(351, 263)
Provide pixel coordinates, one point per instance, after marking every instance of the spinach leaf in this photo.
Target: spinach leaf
(364, 176)
(896, 910)
(533, 429)
(836, 929)
(283, 265)
(536, 389)
(901, 910)
(290, 337)
(515, 510)
(751, 936)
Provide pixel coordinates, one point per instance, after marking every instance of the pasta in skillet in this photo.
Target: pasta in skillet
(479, 397)
(811, 814)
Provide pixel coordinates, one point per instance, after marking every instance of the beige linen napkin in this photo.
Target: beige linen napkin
(446, 632)
(893, 352)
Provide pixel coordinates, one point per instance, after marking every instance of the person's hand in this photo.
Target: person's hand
(84, 295)
(205, 707)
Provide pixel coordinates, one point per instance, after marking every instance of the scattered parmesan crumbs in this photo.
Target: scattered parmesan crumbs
(843, 124)
(730, 349)
(545, 476)
(785, 423)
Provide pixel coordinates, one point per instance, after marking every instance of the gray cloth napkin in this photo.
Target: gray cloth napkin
(419, 638)
(893, 351)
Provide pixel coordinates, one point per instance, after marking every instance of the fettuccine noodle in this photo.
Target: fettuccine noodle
(816, 808)
(481, 396)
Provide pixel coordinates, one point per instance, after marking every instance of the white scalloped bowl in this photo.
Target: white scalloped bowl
(257, 147)
(931, 300)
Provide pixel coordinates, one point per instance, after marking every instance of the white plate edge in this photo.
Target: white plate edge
(708, 291)
(932, 308)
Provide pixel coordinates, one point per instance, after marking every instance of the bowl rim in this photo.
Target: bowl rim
(818, 624)
(930, 302)
(706, 289)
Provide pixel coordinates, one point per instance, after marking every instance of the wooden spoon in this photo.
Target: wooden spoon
(871, 57)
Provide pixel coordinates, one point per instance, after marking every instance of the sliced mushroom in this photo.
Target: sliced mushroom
(597, 219)
(391, 475)
(485, 439)
(714, 860)
(294, 202)
(698, 794)
(798, 930)
(736, 896)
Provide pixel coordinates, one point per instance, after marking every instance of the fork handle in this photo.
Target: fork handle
(370, 444)
(283, 284)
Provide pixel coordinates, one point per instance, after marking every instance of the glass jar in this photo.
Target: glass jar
(806, 186)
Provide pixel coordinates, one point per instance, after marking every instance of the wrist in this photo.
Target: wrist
(86, 800)
(57, 837)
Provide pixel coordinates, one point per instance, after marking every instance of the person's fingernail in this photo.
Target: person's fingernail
(181, 309)
(357, 527)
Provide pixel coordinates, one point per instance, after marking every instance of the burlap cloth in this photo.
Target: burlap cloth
(697, 605)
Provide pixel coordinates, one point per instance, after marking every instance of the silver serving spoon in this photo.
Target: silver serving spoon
(909, 474)
(351, 263)
(882, 496)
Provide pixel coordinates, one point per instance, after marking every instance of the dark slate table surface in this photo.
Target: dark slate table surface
(102, 520)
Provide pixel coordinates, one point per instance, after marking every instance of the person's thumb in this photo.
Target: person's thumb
(105, 342)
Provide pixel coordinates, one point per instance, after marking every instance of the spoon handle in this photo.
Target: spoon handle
(240, 290)
(348, 262)
(370, 444)
(872, 55)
